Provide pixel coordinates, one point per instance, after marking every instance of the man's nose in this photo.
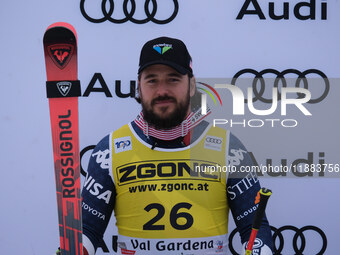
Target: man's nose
(162, 88)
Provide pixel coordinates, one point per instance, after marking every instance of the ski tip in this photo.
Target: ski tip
(65, 25)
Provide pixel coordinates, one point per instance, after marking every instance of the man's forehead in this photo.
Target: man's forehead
(159, 69)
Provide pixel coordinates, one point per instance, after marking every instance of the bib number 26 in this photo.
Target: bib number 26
(174, 216)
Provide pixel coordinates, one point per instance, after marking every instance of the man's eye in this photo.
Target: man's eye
(151, 81)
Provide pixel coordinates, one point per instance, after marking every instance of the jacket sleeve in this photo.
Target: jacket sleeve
(98, 196)
(242, 188)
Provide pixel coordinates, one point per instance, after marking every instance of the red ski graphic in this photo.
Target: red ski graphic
(60, 54)
(63, 88)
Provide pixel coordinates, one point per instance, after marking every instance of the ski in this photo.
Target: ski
(63, 89)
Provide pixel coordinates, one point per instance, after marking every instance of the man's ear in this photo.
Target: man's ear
(192, 86)
(138, 87)
(137, 97)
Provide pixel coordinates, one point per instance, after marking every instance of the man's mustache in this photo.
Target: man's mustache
(162, 98)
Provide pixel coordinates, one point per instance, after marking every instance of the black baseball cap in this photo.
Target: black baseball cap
(167, 51)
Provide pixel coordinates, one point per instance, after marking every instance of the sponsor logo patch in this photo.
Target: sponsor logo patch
(103, 158)
(213, 143)
(122, 144)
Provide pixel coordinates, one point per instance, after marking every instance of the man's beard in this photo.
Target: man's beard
(173, 120)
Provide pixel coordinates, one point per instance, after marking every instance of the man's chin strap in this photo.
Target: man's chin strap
(192, 120)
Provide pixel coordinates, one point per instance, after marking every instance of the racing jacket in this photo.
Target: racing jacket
(170, 197)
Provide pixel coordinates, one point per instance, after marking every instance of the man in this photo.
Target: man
(153, 171)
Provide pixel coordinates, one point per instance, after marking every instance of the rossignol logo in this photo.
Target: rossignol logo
(61, 54)
(64, 87)
(66, 147)
(162, 48)
(304, 10)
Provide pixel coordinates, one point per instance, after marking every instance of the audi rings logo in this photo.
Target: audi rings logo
(282, 79)
(299, 243)
(213, 140)
(108, 8)
(298, 246)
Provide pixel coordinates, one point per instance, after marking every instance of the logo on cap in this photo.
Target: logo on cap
(162, 48)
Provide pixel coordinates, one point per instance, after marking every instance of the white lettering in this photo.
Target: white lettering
(97, 189)
(298, 101)
(102, 158)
